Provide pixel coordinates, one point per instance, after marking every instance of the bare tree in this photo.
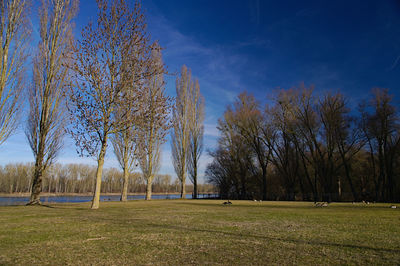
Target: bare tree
(124, 142)
(381, 129)
(332, 111)
(248, 119)
(234, 160)
(180, 122)
(13, 42)
(289, 155)
(103, 64)
(45, 128)
(154, 125)
(196, 131)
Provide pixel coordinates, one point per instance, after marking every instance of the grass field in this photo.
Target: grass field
(182, 232)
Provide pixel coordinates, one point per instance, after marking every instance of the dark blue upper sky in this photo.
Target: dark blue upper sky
(258, 46)
(346, 45)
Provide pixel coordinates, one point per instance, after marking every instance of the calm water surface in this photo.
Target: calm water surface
(6, 201)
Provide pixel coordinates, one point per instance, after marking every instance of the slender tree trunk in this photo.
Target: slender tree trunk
(382, 174)
(99, 173)
(195, 184)
(148, 188)
(195, 175)
(124, 195)
(264, 181)
(348, 177)
(316, 196)
(183, 186)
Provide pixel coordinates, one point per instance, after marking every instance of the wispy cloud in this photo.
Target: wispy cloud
(216, 67)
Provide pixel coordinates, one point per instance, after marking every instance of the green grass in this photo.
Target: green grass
(182, 232)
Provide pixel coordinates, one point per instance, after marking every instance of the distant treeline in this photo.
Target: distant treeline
(303, 146)
(80, 178)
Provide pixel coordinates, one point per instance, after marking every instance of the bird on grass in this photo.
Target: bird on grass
(227, 203)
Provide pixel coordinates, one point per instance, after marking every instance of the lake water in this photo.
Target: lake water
(6, 201)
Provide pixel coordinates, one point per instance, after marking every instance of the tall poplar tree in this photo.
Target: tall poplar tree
(154, 122)
(180, 123)
(46, 122)
(196, 131)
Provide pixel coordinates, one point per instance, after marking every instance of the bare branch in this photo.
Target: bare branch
(13, 54)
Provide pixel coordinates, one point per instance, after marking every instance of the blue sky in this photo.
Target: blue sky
(258, 46)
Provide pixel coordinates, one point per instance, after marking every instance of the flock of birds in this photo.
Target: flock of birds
(316, 204)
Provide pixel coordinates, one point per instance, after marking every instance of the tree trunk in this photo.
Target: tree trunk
(183, 184)
(36, 185)
(148, 188)
(195, 186)
(37, 176)
(183, 187)
(264, 181)
(348, 177)
(124, 195)
(99, 173)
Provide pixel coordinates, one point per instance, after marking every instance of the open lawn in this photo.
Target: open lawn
(181, 232)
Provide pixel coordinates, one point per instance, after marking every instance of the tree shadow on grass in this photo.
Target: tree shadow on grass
(290, 240)
(40, 205)
(270, 205)
(246, 204)
(48, 206)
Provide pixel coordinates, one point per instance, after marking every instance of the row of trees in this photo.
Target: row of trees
(110, 82)
(78, 178)
(309, 147)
